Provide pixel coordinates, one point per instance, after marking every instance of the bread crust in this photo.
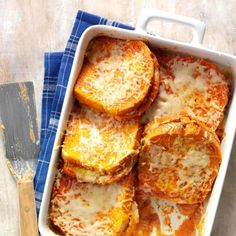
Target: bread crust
(92, 176)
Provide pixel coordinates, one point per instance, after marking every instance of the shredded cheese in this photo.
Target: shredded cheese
(95, 139)
(179, 161)
(81, 209)
(117, 75)
(193, 87)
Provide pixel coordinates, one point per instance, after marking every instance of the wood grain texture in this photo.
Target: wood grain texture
(28, 218)
(28, 28)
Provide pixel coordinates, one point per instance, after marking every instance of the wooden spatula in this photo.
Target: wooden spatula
(19, 124)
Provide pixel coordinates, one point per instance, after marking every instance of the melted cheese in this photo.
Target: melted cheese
(121, 88)
(191, 89)
(81, 209)
(179, 161)
(117, 76)
(98, 140)
(159, 217)
(190, 168)
(158, 158)
(196, 158)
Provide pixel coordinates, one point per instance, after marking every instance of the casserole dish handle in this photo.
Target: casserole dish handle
(198, 27)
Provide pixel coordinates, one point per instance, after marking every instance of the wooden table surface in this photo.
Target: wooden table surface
(28, 28)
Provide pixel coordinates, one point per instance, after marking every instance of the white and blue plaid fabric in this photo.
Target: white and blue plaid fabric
(57, 70)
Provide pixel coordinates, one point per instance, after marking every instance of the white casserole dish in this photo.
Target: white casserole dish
(194, 48)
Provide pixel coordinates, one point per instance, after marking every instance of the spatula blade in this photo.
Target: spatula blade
(19, 124)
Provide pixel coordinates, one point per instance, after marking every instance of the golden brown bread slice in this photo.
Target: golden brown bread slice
(86, 175)
(99, 145)
(137, 112)
(179, 160)
(116, 75)
(191, 85)
(84, 209)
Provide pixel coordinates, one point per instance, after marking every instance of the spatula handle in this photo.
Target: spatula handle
(28, 219)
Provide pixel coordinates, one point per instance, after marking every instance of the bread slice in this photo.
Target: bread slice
(83, 209)
(86, 175)
(141, 109)
(191, 85)
(116, 75)
(97, 144)
(179, 160)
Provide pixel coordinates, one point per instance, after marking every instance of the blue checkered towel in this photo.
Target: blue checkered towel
(57, 70)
